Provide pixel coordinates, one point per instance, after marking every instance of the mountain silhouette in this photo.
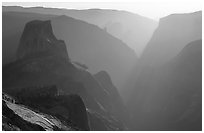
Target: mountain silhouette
(97, 49)
(131, 28)
(105, 81)
(46, 63)
(100, 70)
(171, 36)
(14, 31)
(173, 33)
(169, 97)
(38, 38)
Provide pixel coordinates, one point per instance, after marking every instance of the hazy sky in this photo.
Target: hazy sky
(154, 9)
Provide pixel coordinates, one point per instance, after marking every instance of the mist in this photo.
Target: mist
(100, 70)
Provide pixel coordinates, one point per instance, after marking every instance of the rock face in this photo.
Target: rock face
(172, 35)
(38, 38)
(17, 116)
(68, 108)
(14, 31)
(169, 97)
(11, 121)
(90, 45)
(117, 106)
(86, 43)
(78, 112)
(104, 77)
(37, 69)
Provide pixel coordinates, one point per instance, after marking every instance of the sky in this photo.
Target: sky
(153, 9)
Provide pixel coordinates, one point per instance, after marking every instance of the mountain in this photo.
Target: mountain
(39, 38)
(14, 31)
(132, 29)
(43, 61)
(171, 36)
(105, 81)
(18, 116)
(169, 97)
(88, 44)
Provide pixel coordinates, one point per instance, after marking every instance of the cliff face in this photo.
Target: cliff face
(86, 43)
(169, 97)
(38, 38)
(46, 63)
(22, 114)
(116, 103)
(90, 45)
(172, 35)
(14, 31)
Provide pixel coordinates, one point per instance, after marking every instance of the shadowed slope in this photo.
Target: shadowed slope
(169, 97)
(88, 45)
(172, 35)
(47, 65)
(131, 28)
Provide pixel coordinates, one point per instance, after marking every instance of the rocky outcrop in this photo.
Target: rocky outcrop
(69, 109)
(13, 122)
(86, 43)
(33, 72)
(99, 122)
(77, 110)
(104, 77)
(38, 38)
(19, 117)
(117, 106)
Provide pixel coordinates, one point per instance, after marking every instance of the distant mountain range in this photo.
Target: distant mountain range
(132, 29)
(98, 50)
(165, 87)
(172, 35)
(101, 70)
(169, 97)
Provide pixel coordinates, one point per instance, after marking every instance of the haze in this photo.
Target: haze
(102, 66)
(153, 10)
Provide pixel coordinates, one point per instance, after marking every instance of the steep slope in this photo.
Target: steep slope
(132, 29)
(171, 36)
(97, 49)
(70, 109)
(38, 38)
(169, 97)
(45, 65)
(20, 117)
(88, 45)
(105, 81)
(14, 31)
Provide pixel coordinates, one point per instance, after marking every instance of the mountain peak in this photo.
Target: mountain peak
(37, 29)
(103, 75)
(181, 17)
(38, 38)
